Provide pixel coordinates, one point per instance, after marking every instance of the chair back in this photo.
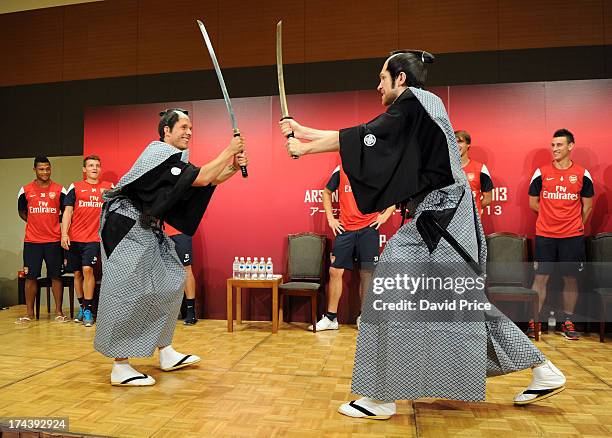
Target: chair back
(506, 259)
(306, 256)
(599, 256)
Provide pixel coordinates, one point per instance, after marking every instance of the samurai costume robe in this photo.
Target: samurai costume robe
(409, 154)
(142, 276)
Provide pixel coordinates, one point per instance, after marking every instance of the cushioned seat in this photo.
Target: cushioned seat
(517, 290)
(296, 285)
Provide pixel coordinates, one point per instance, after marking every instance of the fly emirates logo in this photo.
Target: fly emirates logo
(94, 201)
(560, 193)
(43, 207)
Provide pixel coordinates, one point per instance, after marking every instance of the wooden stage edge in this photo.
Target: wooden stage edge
(251, 383)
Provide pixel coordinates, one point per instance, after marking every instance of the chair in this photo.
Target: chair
(304, 271)
(600, 258)
(67, 281)
(506, 272)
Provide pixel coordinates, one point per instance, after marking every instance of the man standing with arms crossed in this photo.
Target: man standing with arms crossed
(39, 205)
(562, 194)
(357, 238)
(80, 238)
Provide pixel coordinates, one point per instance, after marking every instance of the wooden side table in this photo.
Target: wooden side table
(252, 284)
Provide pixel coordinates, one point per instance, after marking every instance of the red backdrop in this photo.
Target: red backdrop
(511, 127)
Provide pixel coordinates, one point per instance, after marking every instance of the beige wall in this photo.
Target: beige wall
(15, 173)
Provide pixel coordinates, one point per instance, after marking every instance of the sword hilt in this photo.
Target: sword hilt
(243, 169)
(290, 135)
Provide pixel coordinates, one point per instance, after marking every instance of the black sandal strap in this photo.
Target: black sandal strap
(362, 409)
(182, 360)
(131, 379)
(539, 391)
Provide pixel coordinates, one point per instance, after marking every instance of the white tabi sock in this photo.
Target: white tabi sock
(169, 358)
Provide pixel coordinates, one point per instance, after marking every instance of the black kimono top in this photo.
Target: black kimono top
(159, 185)
(400, 155)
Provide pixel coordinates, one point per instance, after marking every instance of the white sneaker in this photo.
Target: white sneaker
(326, 324)
(358, 321)
(368, 408)
(546, 381)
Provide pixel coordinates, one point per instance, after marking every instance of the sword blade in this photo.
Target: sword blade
(213, 57)
(279, 69)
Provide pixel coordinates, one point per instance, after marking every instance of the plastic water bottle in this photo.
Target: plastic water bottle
(269, 269)
(242, 268)
(254, 269)
(552, 322)
(262, 269)
(247, 269)
(236, 268)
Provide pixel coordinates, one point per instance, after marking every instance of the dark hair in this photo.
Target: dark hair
(412, 63)
(168, 118)
(464, 135)
(41, 159)
(564, 133)
(91, 157)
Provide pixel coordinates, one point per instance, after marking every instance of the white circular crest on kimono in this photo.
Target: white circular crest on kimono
(175, 171)
(369, 140)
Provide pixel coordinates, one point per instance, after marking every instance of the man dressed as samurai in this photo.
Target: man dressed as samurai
(405, 350)
(143, 278)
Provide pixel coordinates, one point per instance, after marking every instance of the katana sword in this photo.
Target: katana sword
(228, 102)
(281, 78)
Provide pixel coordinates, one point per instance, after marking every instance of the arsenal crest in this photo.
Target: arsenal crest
(573, 179)
(52, 195)
(471, 176)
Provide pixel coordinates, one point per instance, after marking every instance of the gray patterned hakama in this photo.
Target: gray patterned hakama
(405, 356)
(141, 291)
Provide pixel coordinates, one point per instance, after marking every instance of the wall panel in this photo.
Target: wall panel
(550, 23)
(32, 46)
(247, 32)
(169, 38)
(446, 26)
(361, 29)
(100, 39)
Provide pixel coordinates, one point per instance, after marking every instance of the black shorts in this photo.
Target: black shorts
(566, 253)
(35, 253)
(359, 245)
(82, 254)
(183, 246)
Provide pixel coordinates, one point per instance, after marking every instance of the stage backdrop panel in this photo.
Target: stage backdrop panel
(511, 127)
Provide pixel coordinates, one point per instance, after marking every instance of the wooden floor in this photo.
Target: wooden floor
(251, 383)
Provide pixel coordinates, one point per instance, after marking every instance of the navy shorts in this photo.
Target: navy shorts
(183, 246)
(359, 245)
(35, 253)
(82, 254)
(566, 253)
